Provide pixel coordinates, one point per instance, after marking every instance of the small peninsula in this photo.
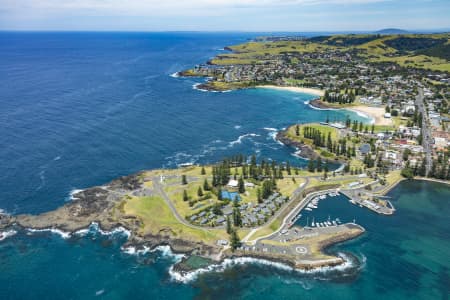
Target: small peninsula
(189, 209)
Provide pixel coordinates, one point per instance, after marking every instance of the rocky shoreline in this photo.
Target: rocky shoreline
(303, 150)
(101, 206)
(317, 103)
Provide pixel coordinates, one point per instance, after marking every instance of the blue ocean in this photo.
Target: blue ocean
(80, 109)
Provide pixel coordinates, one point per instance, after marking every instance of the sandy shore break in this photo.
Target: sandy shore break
(374, 113)
(315, 92)
(377, 113)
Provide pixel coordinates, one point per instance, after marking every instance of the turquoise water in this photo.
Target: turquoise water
(79, 109)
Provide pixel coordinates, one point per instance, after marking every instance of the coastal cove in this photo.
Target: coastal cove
(68, 210)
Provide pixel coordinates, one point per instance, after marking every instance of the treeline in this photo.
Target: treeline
(440, 168)
(223, 172)
(348, 96)
(336, 147)
(441, 51)
(414, 43)
(263, 174)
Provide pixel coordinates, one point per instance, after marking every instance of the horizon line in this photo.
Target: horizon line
(434, 30)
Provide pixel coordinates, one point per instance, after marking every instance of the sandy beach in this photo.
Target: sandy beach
(311, 91)
(376, 113)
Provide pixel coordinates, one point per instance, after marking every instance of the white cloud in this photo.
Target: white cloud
(153, 7)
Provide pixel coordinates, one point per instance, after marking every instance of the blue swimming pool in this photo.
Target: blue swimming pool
(230, 195)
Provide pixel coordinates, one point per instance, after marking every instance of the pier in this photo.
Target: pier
(295, 213)
(365, 199)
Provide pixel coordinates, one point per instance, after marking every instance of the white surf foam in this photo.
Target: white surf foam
(63, 234)
(118, 230)
(240, 138)
(195, 86)
(175, 75)
(6, 234)
(82, 232)
(230, 262)
(163, 250)
(73, 192)
(364, 115)
(273, 136)
(318, 108)
(270, 129)
(131, 250)
(42, 179)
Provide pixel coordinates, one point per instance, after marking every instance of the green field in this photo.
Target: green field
(324, 129)
(156, 217)
(386, 48)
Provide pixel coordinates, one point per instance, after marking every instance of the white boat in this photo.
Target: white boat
(308, 209)
(322, 197)
(329, 223)
(334, 223)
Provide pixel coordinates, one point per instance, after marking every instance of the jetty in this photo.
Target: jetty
(370, 201)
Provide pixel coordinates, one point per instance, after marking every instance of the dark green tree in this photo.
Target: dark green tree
(206, 186)
(319, 164)
(237, 221)
(241, 185)
(235, 242)
(259, 195)
(229, 229)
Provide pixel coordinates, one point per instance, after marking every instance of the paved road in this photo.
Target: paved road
(160, 190)
(294, 197)
(426, 132)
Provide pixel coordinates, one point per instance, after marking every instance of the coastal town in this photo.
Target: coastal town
(244, 206)
(401, 81)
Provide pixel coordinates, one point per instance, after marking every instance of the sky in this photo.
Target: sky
(224, 15)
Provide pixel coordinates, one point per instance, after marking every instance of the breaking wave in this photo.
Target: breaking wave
(230, 262)
(6, 234)
(62, 234)
(242, 137)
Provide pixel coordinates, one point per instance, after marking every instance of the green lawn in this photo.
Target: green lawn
(324, 129)
(156, 216)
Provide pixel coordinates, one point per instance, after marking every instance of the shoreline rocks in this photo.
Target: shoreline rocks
(304, 150)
